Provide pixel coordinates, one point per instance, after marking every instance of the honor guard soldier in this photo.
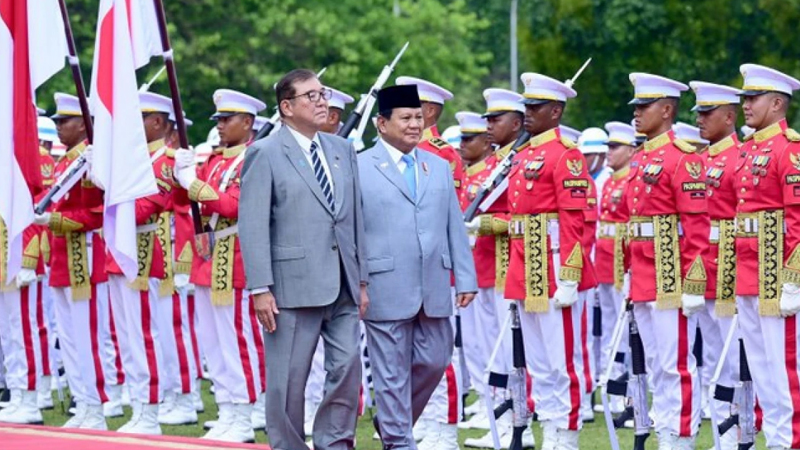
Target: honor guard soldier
(78, 279)
(609, 258)
(433, 97)
(547, 190)
(717, 110)
(668, 234)
(690, 134)
(336, 105)
(223, 305)
(592, 144)
(767, 181)
(504, 118)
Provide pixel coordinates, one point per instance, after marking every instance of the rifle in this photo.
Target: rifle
(518, 399)
(597, 334)
(367, 102)
(270, 125)
(499, 174)
(641, 419)
(462, 362)
(62, 185)
(609, 386)
(742, 398)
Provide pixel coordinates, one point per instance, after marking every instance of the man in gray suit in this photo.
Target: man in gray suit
(302, 234)
(415, 238)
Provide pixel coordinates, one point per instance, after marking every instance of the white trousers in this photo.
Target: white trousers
(81, 332)
(445, 405)
(136, 321)
(316, 377)
(555, 361)
(179, 369)
(668, 336)
(771, 344)
(715, 331)
(19, 337)
(480, 328)
(230, 346)
(588, 341)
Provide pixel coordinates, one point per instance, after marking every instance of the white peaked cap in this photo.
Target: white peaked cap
(428, 92)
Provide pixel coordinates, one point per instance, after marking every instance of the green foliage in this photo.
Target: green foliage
(461, 44)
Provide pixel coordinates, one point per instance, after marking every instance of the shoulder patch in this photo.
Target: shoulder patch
(792, 135)
(567, 142)
(684, 146)
(438, 143)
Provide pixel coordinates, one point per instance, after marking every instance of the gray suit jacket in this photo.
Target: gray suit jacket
(412, 246)
(291, 241)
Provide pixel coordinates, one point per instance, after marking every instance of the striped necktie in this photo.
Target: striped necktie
(322, 177)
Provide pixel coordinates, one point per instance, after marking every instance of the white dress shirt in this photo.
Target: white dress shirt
(305, 145)
(397, 156)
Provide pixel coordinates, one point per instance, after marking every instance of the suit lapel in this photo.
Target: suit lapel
(423, 173)
(335, 160)
(298, 159)
(388, 169)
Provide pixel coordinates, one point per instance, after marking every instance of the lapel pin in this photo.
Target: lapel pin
(425, 168)
(384, 165)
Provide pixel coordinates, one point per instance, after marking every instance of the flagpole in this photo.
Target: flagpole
(177, 105)
(77, 77)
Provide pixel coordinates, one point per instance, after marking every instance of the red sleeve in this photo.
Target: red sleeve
(160, 201)
(689, 188)
(572, 184)
(790, 180)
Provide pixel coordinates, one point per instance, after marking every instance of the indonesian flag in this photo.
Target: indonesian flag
(32, 49)
(121, 162)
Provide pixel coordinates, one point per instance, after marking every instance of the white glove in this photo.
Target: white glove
(181, 280)
(692, 304)
(566, 294)
(186, 176)
(473, 225)
(626, 285)
(183, 158)
(25, 277)
(790, 299)
(89, 154)
(42, 219)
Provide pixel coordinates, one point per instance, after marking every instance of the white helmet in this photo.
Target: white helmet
(593, 140)
(213, 137)
(452, 135)
(47, 129)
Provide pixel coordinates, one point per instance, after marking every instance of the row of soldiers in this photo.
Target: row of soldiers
(689, 235)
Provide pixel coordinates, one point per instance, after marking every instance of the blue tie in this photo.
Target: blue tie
(410, 175)
(322, 177)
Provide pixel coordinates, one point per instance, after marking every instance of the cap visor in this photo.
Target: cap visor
(749, 93)
(62, 116)
(643, 101)
(534, 101)
(704, 108)
(470, 135)
(218, 115)
(494, 114)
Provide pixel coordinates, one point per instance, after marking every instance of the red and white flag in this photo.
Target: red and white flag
(32, 49)
(120, 161)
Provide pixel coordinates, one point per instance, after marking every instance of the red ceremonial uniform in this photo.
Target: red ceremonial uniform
(78, 212)
(721, 161)
(609, 255)
(768, 179)
(433, 143)
(206, 190)
(667, 201)
(547, 185)
(589, 239)
(491, 245)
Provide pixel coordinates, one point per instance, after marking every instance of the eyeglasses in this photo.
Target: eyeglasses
(314, 96)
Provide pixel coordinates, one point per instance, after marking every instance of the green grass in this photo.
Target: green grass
(593, 437)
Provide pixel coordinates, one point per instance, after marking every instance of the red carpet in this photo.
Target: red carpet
(14, 437)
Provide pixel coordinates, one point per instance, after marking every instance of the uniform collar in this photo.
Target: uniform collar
(476, 168)
(719, 147)
(503, 151)
(156, 145)
(543, 138)
(76, 151)
(621, 173)
(659, 141)
(233, 152)
(430, 133)
(770, 132)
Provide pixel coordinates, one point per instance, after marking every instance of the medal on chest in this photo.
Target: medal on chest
(759, 168)
(532, 171)
(472, 191)
(713, 176)
(651, 173)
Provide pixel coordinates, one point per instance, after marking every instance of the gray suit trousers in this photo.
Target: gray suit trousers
(289, 352)
(408, 359)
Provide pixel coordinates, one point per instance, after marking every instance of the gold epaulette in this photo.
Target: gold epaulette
(792, 135)
(567, 142)
(748, 137)
(684, 146)
(437, 142)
